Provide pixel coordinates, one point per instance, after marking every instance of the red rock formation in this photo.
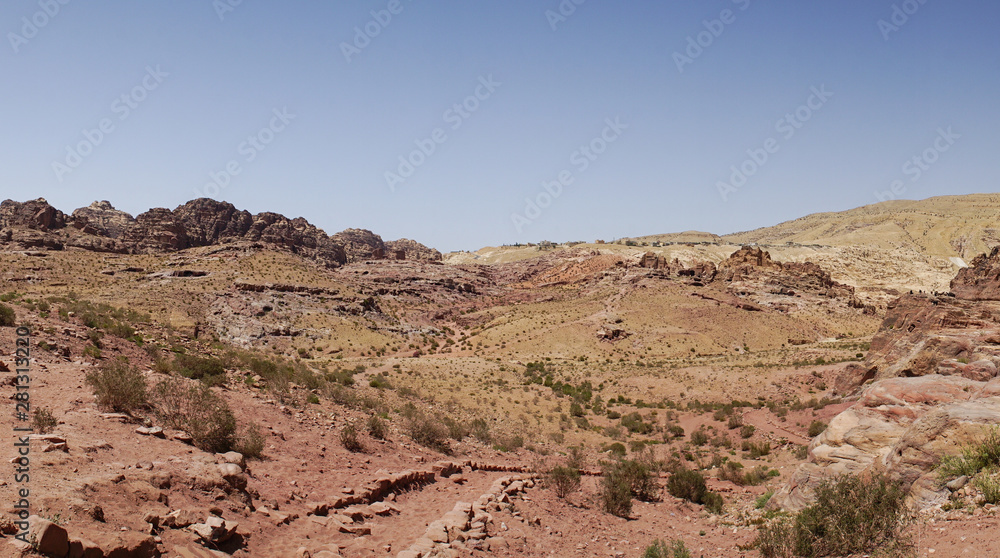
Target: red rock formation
(34, 214)
(102, 219)
(413, 250)
(981, 280)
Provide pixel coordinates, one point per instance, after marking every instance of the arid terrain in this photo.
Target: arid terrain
(207, 382)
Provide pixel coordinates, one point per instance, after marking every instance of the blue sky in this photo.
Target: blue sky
(644, 129)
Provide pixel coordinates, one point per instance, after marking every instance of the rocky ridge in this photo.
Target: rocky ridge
(928, 387)
(201, 222)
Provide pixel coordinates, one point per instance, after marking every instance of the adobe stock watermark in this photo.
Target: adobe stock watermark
(455, 116)
(787, 126)
(363, 35)
(916, 167)
(563, 11)
(223, 7)
(714, 28)
(122, 107)
(901, 14)
(248, 150)
(580, 160)
(31, 26)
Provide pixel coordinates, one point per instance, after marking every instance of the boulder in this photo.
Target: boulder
(50, 539)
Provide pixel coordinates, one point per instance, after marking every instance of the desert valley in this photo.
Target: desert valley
(205, 382)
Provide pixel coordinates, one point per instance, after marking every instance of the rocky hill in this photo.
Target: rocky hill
(202, 222)
(946, 226)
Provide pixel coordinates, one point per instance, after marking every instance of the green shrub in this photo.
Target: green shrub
(250, 442)
(43, 422)
(735, 421)
(7, 316)
(197, 410)
(564, 480)
(763, 499)
(816, 428)
(973, 458)
(616, 495)
(349, 439)
(377, 428)
(687, 485)
(988, 483)
(633, 423)
(713, 502)
(757, 450)
(480, 429)
(425, 430)
(851, 515)
(660, 549)
(118, 386)
(747, 430)
(616, 449)
(699, 437)
(200, 368)
(208, 420)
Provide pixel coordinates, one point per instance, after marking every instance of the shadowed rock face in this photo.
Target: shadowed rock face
(981, 280)
(200, 222)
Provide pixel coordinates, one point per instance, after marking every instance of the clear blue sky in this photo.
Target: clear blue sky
(217, 80)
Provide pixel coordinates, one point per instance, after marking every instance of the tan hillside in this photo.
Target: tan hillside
(945, 227)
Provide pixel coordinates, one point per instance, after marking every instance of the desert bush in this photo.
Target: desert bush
(699, 437)
(687, 485)
(208, 420)
(209, 370)
(973, 458)
(564, 480)
(349, 439)
(426, 430)
(250, 442)
(747, 430)
(7, 316)
(480, 429)
(633, 423)
(735, 421)
(756, 450)
(851, 515)
(616, 495)
(660, 549)
(674, 431)
(988, 483)
(713, 502)
(816, 428)
(377, 428)
(119, 386)
(763, 499)
(43, 422)
(197, 410)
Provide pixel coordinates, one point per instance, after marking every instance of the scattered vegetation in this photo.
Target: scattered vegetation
(661, 549)
(851, 515)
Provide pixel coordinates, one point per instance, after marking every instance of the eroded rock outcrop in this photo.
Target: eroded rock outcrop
(202, 222)
(412, 250)
(102, 219)
(981, 280)
(35, 214)
(929, 387)
(360, 245)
